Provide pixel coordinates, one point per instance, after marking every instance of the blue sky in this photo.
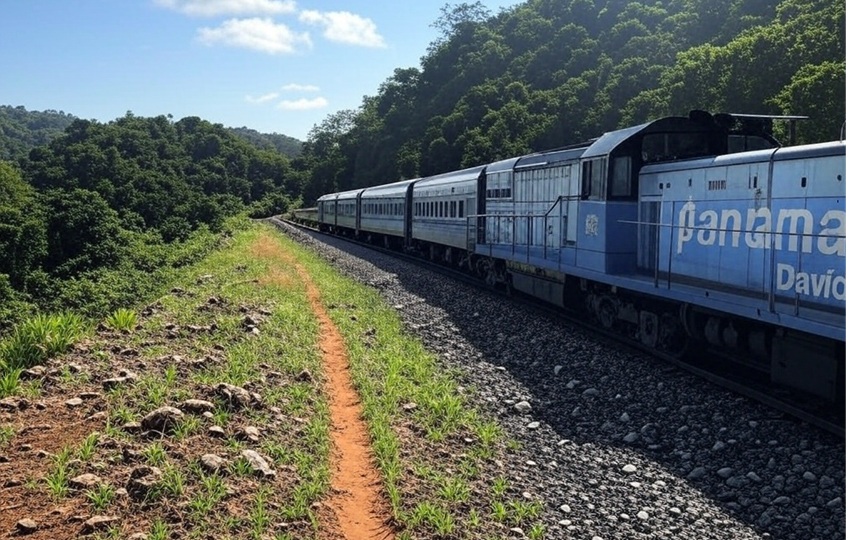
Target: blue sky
(277, 66)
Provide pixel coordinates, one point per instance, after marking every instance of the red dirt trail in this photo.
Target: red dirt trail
(356, 491)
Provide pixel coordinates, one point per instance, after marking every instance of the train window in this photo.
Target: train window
(454, 209)
(744, 143)
(593, 178)
(460, 209)
(621, 177)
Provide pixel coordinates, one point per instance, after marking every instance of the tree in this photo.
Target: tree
(457, 19)
(816, 91)
(23, 240)
(83, 232)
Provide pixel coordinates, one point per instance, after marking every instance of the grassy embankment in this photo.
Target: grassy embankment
(438, 457)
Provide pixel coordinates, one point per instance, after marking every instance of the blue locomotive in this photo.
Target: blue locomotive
(681, 231)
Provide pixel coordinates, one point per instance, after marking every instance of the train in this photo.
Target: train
(685, 231)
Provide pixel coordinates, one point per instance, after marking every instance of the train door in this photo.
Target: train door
(471, 223)
(480, 208)
(408, 216)
(573, 195)
(649, 216)
(357, 213)
(554, 191)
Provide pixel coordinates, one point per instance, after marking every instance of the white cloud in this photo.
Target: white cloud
(212, 8)
(262, 99)
(258, 34)
(303, 104)
(345, 27)
(293, 87)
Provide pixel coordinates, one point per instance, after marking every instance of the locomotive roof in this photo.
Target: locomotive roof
(504, 165)
(605, 144)
(450, 177)
(549, 157)
(833, 148)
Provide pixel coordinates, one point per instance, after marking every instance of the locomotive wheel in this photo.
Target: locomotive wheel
(672, 337)
(606, 312)
(490, 277)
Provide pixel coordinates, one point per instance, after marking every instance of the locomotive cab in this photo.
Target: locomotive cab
(610, 169)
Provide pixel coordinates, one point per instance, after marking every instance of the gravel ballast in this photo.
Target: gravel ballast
(618, 445)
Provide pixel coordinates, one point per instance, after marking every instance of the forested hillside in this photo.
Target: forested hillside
(548, 73)
(22, 130)
(95, 219)
(288, 146)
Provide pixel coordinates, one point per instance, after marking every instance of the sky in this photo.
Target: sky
(276, 66)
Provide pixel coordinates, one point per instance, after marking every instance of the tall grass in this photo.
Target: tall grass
(122, 320)
(38, 338)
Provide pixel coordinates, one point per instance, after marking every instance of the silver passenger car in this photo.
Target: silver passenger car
(383, 209)
(441, 205)
(339, 211)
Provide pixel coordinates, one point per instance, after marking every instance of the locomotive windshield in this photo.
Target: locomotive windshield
(672, 146)
(744, 143)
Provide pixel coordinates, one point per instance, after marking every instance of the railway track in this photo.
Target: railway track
(707, 365)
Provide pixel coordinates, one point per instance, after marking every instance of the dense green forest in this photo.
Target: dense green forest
(95, 215)
(548, 73)
(99, 216)
(22, 130)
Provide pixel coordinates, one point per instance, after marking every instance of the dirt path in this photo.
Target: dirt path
(356, 498)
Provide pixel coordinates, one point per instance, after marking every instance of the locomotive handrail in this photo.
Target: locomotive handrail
(543, 215)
